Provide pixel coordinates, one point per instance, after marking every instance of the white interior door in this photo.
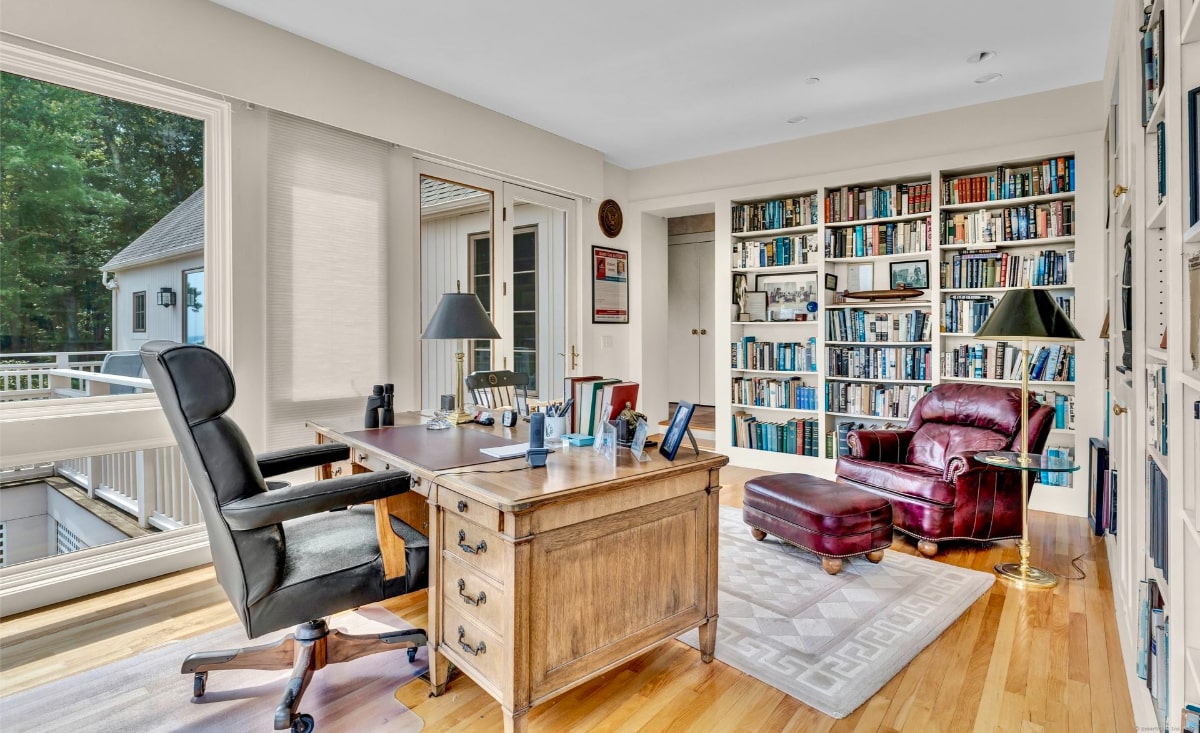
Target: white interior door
(706, 311)
(683, 321)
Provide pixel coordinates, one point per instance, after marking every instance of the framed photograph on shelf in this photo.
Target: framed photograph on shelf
(788, 296)
(913, 274)
(676, 430)
(860, 277)
(610, 285)
(756, 305)
(830, 281)
(1193, 135)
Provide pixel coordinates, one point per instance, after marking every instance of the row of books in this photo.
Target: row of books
(1160, 148)
(1001, 360)
(852, 324)
(879, 239)
(1057, 478)
(789, 394)
(1156, 483)
(777, 214)
(1064, 407)
(796, 436)
(777, 252)
(1156, 407)
(597, 400)
(1012, 224)
(875, 362)
(1152, 644)
(1153, 38)
(783, 356)
(965, 314)
(1053, 175)
(852, 203)
(873, 400)
(992, 269)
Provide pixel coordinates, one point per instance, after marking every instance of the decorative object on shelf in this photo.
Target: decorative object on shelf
(1193, 135)
(459, 317)
(610, 217)
(1104, 327)
(1162, 344)
(1028, 315)
(860, 277)
(610, 285)
(740, 286)
(830, 281)
(874, 295)
(756, 305)
(788, 295)
(909, 275)
(627, 423)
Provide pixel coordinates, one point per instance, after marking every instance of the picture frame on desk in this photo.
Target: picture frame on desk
(676, 430)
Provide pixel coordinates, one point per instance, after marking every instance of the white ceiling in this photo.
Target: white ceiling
(653, 81)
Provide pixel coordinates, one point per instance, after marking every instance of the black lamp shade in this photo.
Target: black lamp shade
(460, 316)
(1028, 314)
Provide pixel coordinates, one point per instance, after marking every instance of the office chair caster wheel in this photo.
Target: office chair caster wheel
(303, 723)
(198, 683)
(412, 654)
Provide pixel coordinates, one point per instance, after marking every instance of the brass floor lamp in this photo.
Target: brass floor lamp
(1027, 315)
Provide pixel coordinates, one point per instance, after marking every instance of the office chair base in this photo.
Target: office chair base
(310, 648)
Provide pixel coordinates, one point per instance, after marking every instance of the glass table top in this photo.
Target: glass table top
(1035, 462)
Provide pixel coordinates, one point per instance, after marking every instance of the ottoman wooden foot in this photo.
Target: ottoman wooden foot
(832, 565)
(927, 548)
(875, 556)
(758, 534)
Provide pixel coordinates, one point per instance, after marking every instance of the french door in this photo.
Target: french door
(515, 248)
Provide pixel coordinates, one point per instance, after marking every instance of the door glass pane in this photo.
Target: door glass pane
(524, 291)
(481, 285)
(524, 331)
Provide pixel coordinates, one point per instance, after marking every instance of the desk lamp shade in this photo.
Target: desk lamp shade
(1028, 314)
(460, 316)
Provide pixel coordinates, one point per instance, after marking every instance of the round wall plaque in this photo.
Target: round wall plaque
(610, 218)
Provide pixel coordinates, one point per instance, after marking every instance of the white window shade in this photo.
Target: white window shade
(326, 268)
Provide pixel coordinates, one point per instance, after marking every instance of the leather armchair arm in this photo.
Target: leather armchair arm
(886, 446)
(291, 502)
(963, 465)
(274, 463)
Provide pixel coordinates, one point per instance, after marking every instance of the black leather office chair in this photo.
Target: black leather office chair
(491, 390)
(282, 556)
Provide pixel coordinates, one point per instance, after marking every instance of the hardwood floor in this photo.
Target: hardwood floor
(1015, 661)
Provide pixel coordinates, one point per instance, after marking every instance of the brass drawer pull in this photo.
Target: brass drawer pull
(462, 505)
(477, 601)
(473, 651)
(476, 550)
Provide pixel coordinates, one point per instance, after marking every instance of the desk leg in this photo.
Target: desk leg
(439, 669)
(515, 722)
(708, 640)
(439, 666)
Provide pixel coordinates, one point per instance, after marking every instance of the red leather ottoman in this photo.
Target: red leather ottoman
(833, 520)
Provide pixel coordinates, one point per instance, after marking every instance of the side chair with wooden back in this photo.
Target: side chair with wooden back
(282, 553)
(493, 390)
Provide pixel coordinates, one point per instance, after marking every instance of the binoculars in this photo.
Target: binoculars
(381, 401)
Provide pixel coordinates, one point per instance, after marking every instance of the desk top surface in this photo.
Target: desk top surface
(510, 484)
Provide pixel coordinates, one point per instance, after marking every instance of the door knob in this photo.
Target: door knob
(1118, 190)
(704, 332)
(695, 331)
(1118, 410)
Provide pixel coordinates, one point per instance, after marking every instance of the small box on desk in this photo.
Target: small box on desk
(578, 439)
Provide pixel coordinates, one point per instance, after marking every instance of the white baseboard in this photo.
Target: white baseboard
(64, 577)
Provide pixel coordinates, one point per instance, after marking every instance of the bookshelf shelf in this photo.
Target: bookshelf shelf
(1005, 203)
(884, 305)
(922, 254)
(875, 418)
(1191, 379)
(884, 344)
(1159, 113)
(1192, 235)
(1015, 382)
(1158, 218)
(1191, 26)
(798, 411)
(1156, 354)
(878, 220)
(771, 233)
(794, 269)
(772, 371)
(1067, 286)
(870, 380)
(1062, 431)
(809, 322)
(1160, 459)
(1012, 243)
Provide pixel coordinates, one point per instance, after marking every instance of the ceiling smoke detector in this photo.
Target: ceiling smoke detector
(979, 58)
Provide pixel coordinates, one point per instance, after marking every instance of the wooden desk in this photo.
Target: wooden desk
(543, 578)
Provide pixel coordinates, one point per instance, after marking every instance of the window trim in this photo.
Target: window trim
(135, 312)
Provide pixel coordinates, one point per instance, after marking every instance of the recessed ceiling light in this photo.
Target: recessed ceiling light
(979, 58)
(796, 119)
(988, 78)
(813, 80)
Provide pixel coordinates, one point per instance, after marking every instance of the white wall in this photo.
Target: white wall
(23, 512)
(161, 322)
(90, 529)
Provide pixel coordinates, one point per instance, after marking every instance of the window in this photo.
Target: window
(525, 304)
(193, 310)
(139, 311)
(480, 249)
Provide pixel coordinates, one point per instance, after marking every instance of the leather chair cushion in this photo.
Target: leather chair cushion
(974, 405)
(935, 442)
(817, 505)
(920, 482)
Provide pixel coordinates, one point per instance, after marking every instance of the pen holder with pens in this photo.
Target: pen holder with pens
(556, 428)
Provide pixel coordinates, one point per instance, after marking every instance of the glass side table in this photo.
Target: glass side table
(1023, 573)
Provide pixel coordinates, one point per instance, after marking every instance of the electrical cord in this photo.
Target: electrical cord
(1075, 562)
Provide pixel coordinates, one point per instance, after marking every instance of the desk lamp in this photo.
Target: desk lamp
(460, 316)
(1028, 315)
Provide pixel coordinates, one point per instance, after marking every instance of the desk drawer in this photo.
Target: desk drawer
(474, 594)
(474, 545)
(369, 461)
(477, 512)
(479, 649)
(341, 468)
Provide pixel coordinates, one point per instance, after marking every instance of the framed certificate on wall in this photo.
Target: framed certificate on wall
(610, 285)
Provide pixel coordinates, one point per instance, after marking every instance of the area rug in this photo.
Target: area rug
(146, 692)
(830, 641)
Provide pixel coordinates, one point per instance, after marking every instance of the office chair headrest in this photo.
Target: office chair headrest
(198, 377)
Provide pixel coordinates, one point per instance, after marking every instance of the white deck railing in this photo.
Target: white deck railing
(151, 484)
(28, 376)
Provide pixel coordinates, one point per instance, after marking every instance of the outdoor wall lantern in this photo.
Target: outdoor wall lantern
(166, 297)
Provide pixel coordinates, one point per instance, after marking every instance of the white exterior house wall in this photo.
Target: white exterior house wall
(161, 322)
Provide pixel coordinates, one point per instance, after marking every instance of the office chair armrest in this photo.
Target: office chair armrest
(276, 462)
(292, 502)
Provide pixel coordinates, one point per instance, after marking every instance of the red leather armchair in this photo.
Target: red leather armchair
(927, 470)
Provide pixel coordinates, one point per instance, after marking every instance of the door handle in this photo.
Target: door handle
(1118, 190)
(1118, 410)
(695, 331)
(704, 332)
